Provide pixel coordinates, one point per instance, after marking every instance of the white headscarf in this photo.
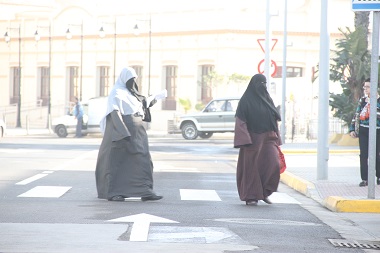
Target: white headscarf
(121, 99)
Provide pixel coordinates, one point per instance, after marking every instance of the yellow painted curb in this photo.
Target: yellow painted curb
(339, 204)
(297, 183)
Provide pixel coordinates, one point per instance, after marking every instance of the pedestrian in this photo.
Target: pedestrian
(257, 136)
(124, 166)
(360, 128)
(78, 114)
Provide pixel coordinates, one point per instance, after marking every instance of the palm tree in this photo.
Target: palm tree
(351, 67)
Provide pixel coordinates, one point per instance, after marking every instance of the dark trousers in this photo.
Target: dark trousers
(363, 145)
(79, 127)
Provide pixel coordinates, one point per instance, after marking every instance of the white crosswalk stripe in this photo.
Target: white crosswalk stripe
(194, 194)
(185, 194)
(46, 192)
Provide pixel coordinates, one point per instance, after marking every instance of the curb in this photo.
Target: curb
(339, 204)
(297, 183)
(333, 203)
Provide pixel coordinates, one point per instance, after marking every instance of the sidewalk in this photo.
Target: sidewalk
(340, 191)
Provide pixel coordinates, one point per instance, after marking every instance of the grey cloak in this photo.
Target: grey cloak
(124, 165)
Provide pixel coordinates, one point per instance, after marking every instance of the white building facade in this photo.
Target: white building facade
(196, 51)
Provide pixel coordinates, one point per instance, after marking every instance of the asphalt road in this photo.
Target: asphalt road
(48, 203)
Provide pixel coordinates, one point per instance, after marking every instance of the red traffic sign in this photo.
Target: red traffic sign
(273, 67)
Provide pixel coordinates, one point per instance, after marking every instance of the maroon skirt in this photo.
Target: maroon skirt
(258, 167)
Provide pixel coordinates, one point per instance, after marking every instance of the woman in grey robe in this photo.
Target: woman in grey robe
(257, 136)
(124, 166)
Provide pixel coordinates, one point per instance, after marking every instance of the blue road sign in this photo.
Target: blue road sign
(366, 5)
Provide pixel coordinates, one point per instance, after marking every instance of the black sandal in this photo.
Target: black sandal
(251, 202)
(117, 198)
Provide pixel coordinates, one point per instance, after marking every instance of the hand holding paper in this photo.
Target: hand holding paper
(157, 96)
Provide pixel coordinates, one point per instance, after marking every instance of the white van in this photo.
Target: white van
(94, 110)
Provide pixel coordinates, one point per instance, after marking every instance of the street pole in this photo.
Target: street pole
(150, 51)
(69, 36)
(373, 108)
(81, 61)
(136, 31)
(37, 38)
(19, 78)
(49, 92)
(267, 45)
(102, 34)
(283, 101)
(114, 52)
(323, 118)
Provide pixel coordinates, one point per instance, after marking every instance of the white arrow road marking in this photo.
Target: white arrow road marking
(141, 223)
(46, 192)
(193, 234)
(193, 194)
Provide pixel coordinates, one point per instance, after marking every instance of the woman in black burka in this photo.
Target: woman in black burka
(257, 136)
(124, 166)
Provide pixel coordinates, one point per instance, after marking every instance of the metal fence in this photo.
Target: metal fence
(302, 130)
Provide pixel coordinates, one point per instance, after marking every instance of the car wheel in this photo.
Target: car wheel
(61, 131)
(189, 131)
(205, 135)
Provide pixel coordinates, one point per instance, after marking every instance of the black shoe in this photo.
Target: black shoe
(378, 181)
(266, 200)
(251, 202)
(151, 197)
(117, 198)
(363, 183)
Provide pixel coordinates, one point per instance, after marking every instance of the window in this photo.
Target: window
(104, 80)
(73, 83)
(171, 85)
(216, 106)
(139, 70)
(231, 105)
(290, 72)
(205, 83)
(15, 85)
(44, 80)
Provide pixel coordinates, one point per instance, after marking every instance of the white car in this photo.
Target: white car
(93, 110)
(217, 117)
(3, 128)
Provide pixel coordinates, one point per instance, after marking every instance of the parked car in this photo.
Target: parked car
(93, 110)
(217, 117)
(3, 128)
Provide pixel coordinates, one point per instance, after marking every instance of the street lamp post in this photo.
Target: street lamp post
(37, 38)
(102, 34)
(7, 40)
(136, 31)
(69, 36)
(284, 72)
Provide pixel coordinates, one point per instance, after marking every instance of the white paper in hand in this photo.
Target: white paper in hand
(160, 95)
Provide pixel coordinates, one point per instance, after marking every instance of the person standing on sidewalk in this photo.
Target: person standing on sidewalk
(78, 113)
(360, 128)
(257, 136)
